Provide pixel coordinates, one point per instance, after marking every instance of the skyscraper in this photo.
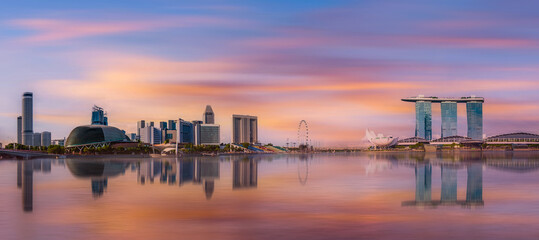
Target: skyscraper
(449, 118)
(19, 130)
(27, 119)
(45, 139)
(474, 112)
(423, 124)
(208, 134)
(244, 129)
(37, 140)
(163, 125)
(185, 132)
(150, 135)
(208, 116)
(171, 124)
(140, 124)
(99, 117)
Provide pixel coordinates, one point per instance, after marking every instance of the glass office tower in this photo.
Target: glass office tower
(449, 119)
(474, 112)
(27, 119)
(423, 120)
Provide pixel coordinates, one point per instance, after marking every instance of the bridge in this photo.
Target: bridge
(25, 154)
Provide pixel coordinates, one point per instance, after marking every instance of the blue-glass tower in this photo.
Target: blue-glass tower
(474, 112)
(449, 118)
(423, 120)
(99, 117)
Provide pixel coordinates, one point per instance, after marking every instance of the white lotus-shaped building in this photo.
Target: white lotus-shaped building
(379, 140)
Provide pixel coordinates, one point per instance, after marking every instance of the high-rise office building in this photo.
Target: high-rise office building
(46, 139)
(27, 119)
(133, 137)
(423, 124)
(140, 124)
(163, 125)
(474, 112)
(150, 135)
(207, 134)
(99, 116)
(208, 115)
(37, 140)
(244, 129)
(449, 119)
(172, 124)
(185, 131)
(19, 130)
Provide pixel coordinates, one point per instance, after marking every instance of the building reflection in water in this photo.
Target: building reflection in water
(448, 196)
(25, 179)
(423, 185)
(28, 186)
(244, 174)
(197, 171)
(97, 171)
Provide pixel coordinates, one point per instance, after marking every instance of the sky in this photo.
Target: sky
(342, 66)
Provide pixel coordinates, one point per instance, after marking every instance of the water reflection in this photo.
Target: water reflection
(245, 174)
(97, 171)
(448, 196)
(25, 179)
(205, 172)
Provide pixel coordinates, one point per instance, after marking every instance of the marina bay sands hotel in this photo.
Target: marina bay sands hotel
(423, 115)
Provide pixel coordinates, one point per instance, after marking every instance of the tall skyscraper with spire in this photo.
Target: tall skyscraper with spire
(209, 117)
(27, 119)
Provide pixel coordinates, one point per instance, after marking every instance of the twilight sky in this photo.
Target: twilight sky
(342, 66)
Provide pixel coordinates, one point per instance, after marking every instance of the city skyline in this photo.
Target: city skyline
(335, 64)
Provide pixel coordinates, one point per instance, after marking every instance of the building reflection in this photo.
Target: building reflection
(197, 171)
(25, 179)
(448, 196)
(244, 174)
(97, 171)
(28, 186)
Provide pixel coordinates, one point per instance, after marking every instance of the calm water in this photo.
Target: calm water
(322, 196)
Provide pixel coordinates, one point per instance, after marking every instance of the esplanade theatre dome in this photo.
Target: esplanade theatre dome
(94, 135)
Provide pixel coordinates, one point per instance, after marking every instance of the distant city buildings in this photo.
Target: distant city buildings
(182, 131)
(244, 129)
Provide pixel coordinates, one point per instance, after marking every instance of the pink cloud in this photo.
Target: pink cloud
(47, 30)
